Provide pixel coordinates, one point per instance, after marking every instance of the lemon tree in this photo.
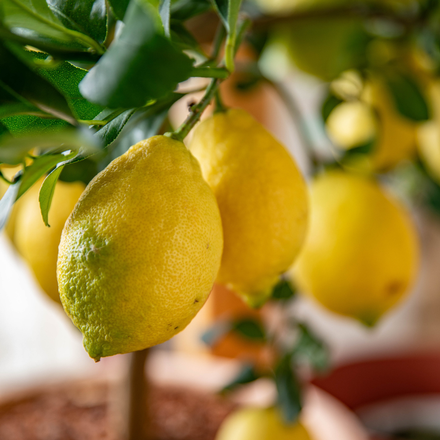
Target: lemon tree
(86, 87)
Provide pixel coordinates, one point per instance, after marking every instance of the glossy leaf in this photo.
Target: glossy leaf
(86, 16)
(40, 167)
(249, 329)
(184, 40)
(34, 21)
(408, 97)
(47, 191)
(66, 78)
(288, 389)
(182, 10)
(14, 149)
(119, 8)
(164, 10)
(23, 124)
(136, 68)
(7, 202)
(247, 374)
(111, 130)
(22, 81)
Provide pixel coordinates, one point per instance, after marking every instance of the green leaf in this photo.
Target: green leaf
(7, 202)
(119, 7)
(283, 290)
(66, 78)
(408, 97)
(13, 150)
(183, 39)
(228, 11)
(249, 328)
(18, 78)
(247, 374)
(182, 10)
(40, 167)
(25, 124)
(164, 11)
(288, 389)
(111, 130)
(34, 21)
(215, 333)
(86, 16)
(329, 104)
(312, 349)
(139, 66)
(47, 191)
(80, 171)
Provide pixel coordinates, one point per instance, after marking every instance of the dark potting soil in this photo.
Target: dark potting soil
(78, 412)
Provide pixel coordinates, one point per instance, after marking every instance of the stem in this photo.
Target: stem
(130, 409)
(218, 40)
(210, 72)
(219, 105)
(298, 119)
(195, 113)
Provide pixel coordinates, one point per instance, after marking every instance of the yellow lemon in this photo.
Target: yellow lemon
(262, 199)
(428, 135)
(37, 243)
(374, 118)
(361, 254)
(351, 124)
(141, 250)
(259, 424)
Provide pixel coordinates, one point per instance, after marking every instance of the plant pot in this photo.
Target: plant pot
(389, 395)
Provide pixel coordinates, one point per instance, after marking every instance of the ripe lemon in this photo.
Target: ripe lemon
(428, 135)
(321, 47)
(259, 424)
(353, 123)
(37, 243)
(141, 250)
(262, 199)
(361, 253)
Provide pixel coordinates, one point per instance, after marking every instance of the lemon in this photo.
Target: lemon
(259, 424)
(321, 47)
(141, 250)
(351, 124)
(262, 199)
(37, 243)
(361, 254)
(373, 118)
(288, 6)
(428, 135)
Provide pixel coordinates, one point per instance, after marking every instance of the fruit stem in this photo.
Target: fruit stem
(195, 113)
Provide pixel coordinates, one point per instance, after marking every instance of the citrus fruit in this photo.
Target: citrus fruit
(373, 118)
(321, 47)
(262, 199)
(259, 424)
(361, 253)
(37, 243)
(140, 252)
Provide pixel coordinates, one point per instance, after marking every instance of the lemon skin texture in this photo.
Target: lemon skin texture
(262, 198)
(37, 243)
(141, 250)
(260, 424)
(361, 254)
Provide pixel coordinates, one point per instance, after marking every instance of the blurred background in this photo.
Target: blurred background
(352, 83)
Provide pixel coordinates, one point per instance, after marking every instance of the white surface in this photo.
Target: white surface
(37, 340)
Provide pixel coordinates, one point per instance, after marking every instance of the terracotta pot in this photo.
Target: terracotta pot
(389, 389)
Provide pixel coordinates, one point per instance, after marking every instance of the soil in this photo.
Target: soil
(81, 412)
